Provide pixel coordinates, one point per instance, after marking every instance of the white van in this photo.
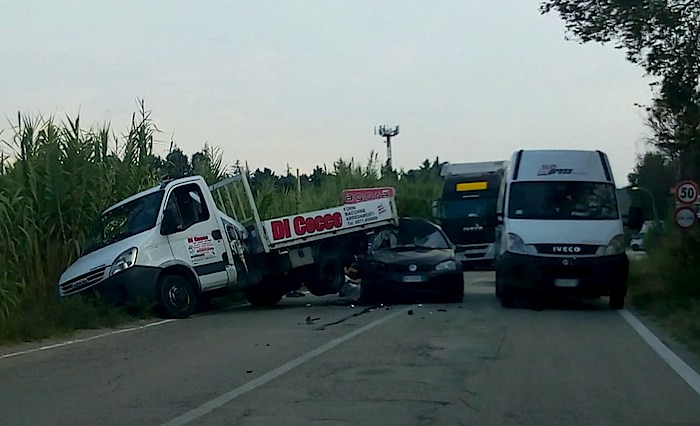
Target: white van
(560, 228)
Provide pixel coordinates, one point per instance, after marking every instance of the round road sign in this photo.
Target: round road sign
(685, 217)
(687, 192)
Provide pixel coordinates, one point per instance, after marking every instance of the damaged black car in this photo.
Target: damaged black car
(414, 262)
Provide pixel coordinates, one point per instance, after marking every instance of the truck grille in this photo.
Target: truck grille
(83, 281)
(567, 249)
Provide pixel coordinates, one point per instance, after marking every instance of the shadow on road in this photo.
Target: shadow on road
(539, 301)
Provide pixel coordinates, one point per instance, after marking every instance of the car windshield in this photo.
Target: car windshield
(125, 221)
(563, 201)
(410, 234)
(469, 207)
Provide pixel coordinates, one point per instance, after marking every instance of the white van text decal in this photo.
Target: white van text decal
(551, 169)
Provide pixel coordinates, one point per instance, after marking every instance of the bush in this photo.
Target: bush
(666, 282)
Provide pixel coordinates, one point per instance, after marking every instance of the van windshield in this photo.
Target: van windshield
(125, 221)
(563, 201)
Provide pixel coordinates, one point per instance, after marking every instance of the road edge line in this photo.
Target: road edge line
(87, 339)
(229, 396)
(686, 372)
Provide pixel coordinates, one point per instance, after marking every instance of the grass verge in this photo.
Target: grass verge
(666, 284)
(58, 318)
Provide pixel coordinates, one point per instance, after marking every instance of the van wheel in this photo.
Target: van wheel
(617, 300)
(497, 286)
(176, 296)
(262, 296)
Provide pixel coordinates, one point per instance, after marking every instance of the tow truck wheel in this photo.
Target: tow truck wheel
(327, 277)
(176, 296)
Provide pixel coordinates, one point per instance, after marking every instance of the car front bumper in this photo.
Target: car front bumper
(128, 286)
(420, 286)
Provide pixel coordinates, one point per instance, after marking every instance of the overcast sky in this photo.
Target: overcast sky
(305, 82)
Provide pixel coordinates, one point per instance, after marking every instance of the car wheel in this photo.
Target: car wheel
(506, 295)
(370, 293)
(457, 295)
(176, 296)
(635, 247)
(262, 296)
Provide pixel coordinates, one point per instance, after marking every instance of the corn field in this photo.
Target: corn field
(56, 178)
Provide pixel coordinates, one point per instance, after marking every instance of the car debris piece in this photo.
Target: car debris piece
(410, 312)
(442, 310)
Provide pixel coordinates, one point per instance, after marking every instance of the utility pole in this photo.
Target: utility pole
(387, 133)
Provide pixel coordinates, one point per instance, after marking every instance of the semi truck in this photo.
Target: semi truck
(183, 242)
(467, 209)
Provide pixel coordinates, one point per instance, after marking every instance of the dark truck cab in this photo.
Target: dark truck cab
(467, 210)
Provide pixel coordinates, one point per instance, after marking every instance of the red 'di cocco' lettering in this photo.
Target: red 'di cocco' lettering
(280, 229)
(309, 225)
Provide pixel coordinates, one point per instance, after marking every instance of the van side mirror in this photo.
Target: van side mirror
(635, 218)
(499, 218)
(435, 208)
(171, 223)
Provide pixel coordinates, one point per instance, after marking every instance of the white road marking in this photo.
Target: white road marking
(111, 333)
(677, 364)
(219, 401)
(71, 342)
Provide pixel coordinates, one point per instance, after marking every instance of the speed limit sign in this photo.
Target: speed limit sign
(687, 192)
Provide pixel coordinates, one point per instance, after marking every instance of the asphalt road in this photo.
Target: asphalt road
(473, 364)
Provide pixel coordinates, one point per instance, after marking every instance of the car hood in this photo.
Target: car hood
(423, 257)
(103, 257)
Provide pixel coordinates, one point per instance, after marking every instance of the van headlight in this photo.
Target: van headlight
(124, 261)
(515, 244)
(448, 265)
(615, 246)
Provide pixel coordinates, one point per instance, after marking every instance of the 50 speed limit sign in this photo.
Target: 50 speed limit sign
(687, 192)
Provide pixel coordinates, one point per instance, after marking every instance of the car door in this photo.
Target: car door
(196, 238)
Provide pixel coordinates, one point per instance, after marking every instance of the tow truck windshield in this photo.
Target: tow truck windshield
(125, 221)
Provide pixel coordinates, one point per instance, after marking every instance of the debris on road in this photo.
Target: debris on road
(442, 310)
(308, 305)
(310, 320)
(410, 312)
(249, 371)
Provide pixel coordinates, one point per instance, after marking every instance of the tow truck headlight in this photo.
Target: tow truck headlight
(448, 265)
(616, 245)
(515, 244)
(124, 261)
